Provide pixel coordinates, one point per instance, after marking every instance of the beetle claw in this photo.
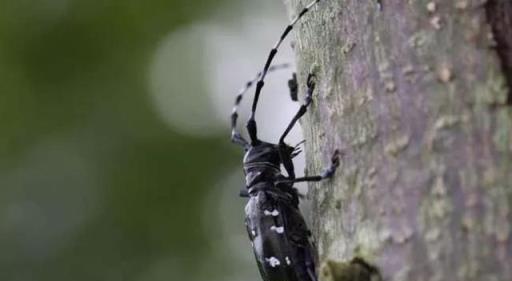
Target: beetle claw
(311, 80)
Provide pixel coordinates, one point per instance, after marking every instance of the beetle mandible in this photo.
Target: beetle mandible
(280, 238)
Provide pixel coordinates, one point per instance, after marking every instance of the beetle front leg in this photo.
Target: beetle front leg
(327, 173)
(303, 108)
(287, 160)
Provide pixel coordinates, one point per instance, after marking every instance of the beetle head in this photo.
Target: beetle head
(263, 153)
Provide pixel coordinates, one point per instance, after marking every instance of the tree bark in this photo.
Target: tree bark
(416, 96)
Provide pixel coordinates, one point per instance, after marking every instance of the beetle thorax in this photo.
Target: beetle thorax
(261, 163)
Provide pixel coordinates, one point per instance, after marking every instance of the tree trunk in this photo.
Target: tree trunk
(415, 95)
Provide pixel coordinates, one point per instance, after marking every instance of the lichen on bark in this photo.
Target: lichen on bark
(416, 96)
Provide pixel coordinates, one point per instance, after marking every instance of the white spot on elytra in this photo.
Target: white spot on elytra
(253, 233)
(278, 229)
(273, 213)
(288, 261)
(273, 261)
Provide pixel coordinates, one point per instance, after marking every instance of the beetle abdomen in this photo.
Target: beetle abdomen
(280, 239)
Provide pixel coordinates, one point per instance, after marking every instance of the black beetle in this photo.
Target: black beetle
(280, 238)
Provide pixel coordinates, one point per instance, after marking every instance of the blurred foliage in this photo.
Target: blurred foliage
(93, 185)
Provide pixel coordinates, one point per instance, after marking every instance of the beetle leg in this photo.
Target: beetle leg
(303, 107)
(287, 161)
(311, 274)
(293, 86)
(328, 173)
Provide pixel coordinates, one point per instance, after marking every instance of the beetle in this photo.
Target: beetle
(278, 233)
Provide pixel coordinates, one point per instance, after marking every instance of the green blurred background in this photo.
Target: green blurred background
(115, 162)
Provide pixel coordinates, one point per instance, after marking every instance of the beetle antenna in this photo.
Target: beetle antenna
(236, 137)
(251, 124)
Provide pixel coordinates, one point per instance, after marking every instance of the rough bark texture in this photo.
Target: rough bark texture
(416, 97)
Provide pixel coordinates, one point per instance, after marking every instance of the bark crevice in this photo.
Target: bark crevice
(499, 17)
(355, 270)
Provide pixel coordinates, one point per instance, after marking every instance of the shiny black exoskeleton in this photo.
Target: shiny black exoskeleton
(276, 228)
